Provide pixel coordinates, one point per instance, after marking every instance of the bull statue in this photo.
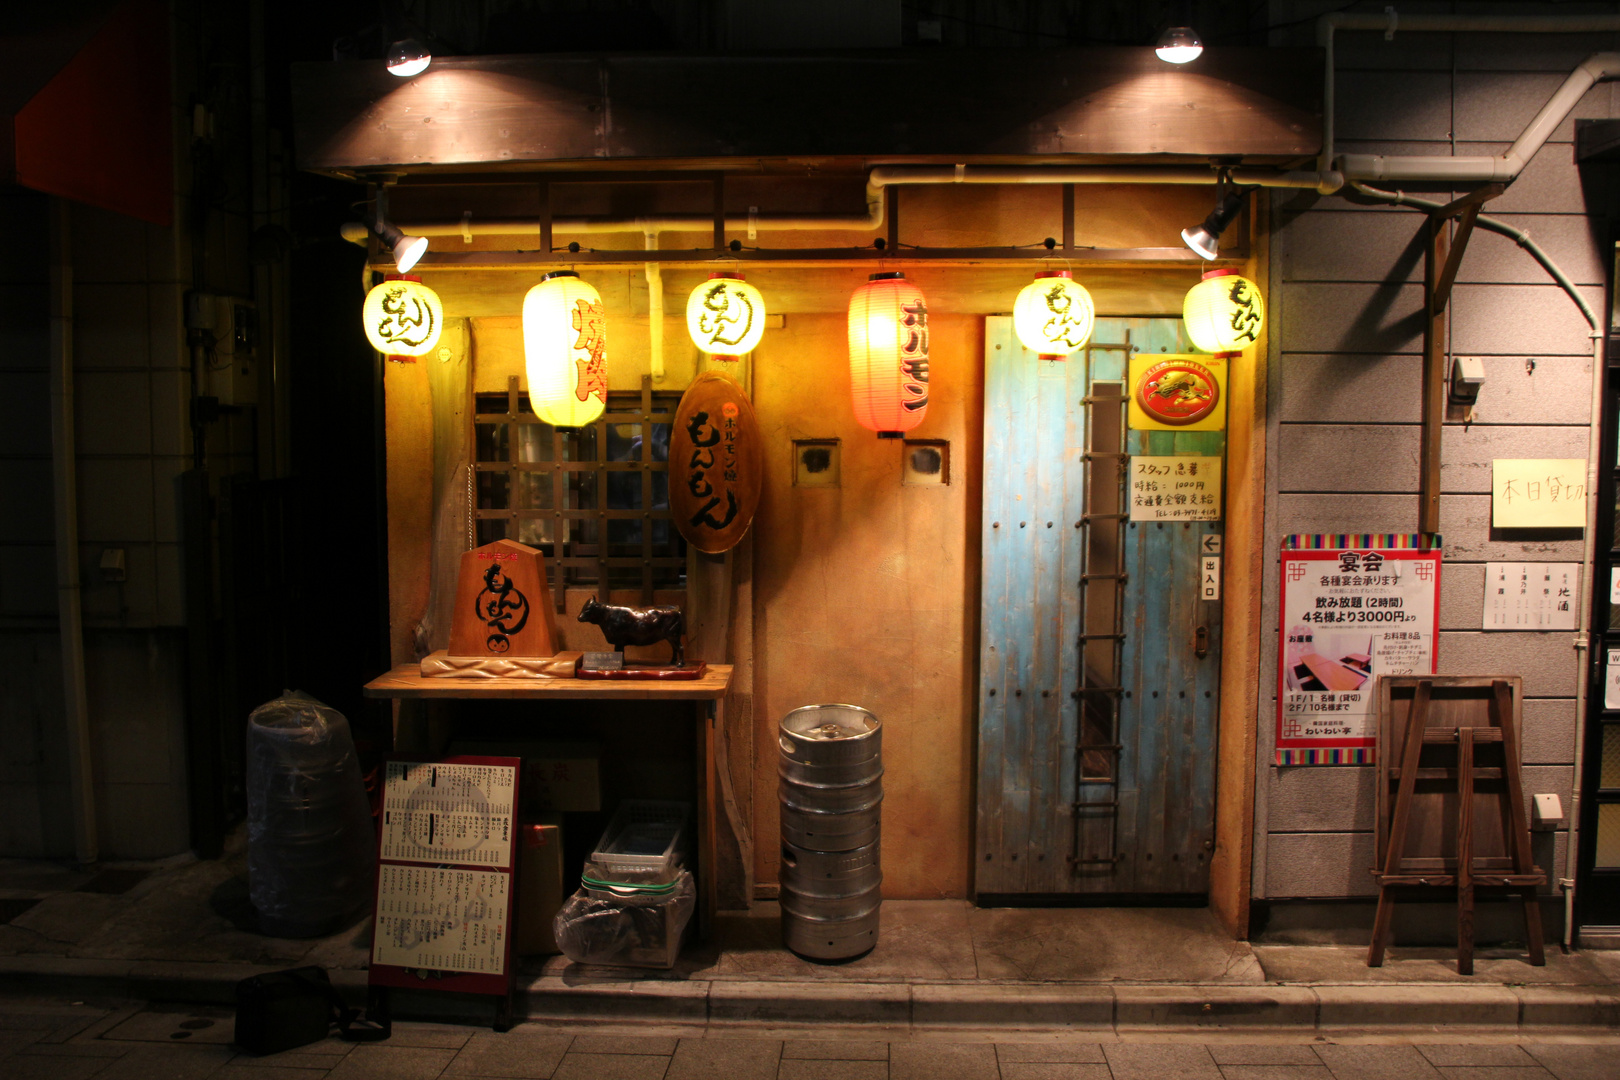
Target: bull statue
(637, 626)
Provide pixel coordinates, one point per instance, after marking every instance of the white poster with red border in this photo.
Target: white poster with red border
(1353, 607)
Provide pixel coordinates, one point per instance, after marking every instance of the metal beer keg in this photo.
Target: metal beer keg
(831, 792)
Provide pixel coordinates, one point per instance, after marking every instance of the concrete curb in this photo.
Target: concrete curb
(922, 1006)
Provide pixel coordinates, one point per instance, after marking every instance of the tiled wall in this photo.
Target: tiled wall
(132, 388)
(1346, 369)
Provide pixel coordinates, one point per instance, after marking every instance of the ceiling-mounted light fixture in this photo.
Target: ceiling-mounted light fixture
(406, 249)
(1205, 239)
(1179, 45)
(408, 57)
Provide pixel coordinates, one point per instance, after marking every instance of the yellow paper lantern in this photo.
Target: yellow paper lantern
(565, 350)
(888, 354)
(725, 316)
(1224, 312)
(1053, 315)
(403, 317)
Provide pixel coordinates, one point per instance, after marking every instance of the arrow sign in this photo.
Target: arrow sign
(1211, 544)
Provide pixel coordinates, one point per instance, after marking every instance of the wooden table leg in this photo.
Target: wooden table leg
(708, 716)
(1412, 749)
(1519, 841)
(1465, 851)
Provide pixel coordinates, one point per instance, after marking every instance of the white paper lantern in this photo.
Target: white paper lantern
(725, 316)
(565, 350)
(1053, 315)
(1224, 312)
(403, 317)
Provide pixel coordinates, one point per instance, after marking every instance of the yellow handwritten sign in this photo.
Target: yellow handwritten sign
(1538, 493)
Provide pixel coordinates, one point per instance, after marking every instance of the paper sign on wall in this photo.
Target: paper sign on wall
(1183, 488)
(1530, 596)
(1354, 607)
(1538, 493)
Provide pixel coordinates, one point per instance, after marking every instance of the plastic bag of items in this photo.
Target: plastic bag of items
(631, 919)
(312, 845)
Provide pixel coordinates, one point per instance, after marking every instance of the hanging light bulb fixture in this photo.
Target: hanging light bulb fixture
(408, 57)
(1053, 315)
(1179, 45)
(405, 248)
(888, 354)
(1224, 313)
(1205, 238)
(565, 350)
(403, 318)
(725, 316)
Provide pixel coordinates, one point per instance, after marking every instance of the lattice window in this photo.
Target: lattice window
(594, 499)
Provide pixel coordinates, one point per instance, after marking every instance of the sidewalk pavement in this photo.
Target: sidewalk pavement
(182, 931)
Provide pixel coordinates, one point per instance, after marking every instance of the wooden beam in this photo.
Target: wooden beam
(1434, 380)
(719, 185)
(463, 261)
(1068, 217)
(1475, 199)
(545, 218)
(1448, 272)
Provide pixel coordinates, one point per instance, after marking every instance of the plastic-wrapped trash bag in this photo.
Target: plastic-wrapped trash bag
(312, 846)
(624, 924)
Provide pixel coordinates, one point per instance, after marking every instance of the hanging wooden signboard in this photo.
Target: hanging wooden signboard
(503, 607)
(1354, 606)
(1172, 392)
(714, 464)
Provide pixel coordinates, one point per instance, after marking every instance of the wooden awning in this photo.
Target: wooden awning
(1072, 106)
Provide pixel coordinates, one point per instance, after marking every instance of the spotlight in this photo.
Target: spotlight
(1205, 239)
(410, 57)
(1179, 45)
(406, 249)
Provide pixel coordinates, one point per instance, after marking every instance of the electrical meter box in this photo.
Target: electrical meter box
(226, 329)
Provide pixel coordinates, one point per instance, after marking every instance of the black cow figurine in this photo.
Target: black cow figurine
(637, 626)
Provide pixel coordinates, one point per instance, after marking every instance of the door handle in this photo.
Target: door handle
(1201, 642)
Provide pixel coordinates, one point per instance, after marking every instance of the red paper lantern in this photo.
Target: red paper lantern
(888, 354)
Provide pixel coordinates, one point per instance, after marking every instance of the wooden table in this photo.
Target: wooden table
(707, 695)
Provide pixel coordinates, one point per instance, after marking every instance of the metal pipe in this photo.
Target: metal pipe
(64, 469)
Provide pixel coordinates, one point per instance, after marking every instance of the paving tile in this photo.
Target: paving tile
(731, 1059)
(1474, 1054)
(823, 1069)
(1376, 1062)
(1155, 1061)
(622, 1044)
(516, 1053)
(34, 1067)
(270, 1072)
(316, 1055)
(835, 1051)
(163, 1026)
(1276, 1072)
(1495, 1072)
(376, 1061)
(167, 1062)
(1263, 1054)
(14, 1039)
(611, 1067)
(1084, 1053)
(88, 1048)
(435, 1036)
(942, 1061)
(1575, 1062)
(1053, 1070)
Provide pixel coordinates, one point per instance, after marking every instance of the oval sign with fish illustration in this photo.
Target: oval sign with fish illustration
(1178, 392)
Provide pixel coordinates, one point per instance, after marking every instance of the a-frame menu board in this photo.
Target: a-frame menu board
(445, 875)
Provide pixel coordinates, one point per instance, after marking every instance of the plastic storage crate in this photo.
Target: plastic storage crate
(645, 836)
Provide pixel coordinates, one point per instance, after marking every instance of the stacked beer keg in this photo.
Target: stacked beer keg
(831, 793)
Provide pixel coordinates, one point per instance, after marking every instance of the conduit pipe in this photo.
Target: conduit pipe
(1476, 169)
(1583, 636)
(655, 308)
(65, 484)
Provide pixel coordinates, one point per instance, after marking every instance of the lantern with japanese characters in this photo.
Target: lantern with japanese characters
(403, 317)
(1224, 313)
(725, 316)
(1053, 315)
(888, 354)
(565, 348)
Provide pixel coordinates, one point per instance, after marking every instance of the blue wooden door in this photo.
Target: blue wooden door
(1099, 658)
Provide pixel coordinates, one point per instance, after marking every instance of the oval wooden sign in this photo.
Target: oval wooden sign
(715, 463)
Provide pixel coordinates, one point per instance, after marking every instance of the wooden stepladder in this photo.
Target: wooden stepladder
(1459, 752)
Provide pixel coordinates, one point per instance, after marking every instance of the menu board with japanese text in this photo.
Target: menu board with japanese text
(439, 918)
(439, 812)
(1354, 607)
(1530, 596)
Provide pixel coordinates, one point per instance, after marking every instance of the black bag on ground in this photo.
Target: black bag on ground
(283, 1009)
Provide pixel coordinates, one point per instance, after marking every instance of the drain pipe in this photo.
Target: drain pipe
(75, 700)
(1583, 636)
(655, 307)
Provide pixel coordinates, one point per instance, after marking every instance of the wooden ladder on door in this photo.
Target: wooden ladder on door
(1467, 871)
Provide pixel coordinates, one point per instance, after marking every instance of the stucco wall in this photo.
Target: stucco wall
(1346, 290)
